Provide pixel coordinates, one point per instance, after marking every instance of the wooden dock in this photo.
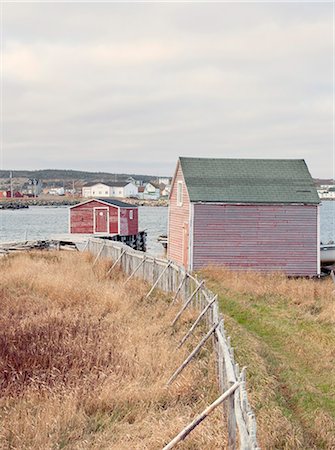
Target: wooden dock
(13, 247)
(136, 241)
(72, 241)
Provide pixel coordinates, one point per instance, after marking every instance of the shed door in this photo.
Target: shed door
(101, 220)
(185, 244)
(114, 220)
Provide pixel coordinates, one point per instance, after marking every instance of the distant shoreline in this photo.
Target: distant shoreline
(47, 200)
(69, 201)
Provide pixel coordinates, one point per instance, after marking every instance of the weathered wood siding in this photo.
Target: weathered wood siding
(82, 218)
(178, 222)
(128, 226)
(264, 238)
(114, 225)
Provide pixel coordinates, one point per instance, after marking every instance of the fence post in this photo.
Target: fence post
(231, 421)
(99, 254)
(200, 316)
(135, 270)
(182, 435)
(153, 270)
(158, 279)
(186, 288)
(179, 288)
(193, 353)
(174, 278)
(187, 303)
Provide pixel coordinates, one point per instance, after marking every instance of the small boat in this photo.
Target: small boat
(327, 253)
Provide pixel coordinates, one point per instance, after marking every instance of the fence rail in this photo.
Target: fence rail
(171, 278)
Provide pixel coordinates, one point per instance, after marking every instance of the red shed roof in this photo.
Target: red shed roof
(109, 201)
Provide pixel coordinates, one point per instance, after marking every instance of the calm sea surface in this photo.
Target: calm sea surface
(40, 222)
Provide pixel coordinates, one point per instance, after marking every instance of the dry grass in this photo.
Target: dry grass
(283, 330)
(84, 361)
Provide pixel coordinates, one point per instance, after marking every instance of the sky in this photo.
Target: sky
(129, 87)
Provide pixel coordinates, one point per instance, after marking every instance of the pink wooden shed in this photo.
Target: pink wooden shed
(245, 214)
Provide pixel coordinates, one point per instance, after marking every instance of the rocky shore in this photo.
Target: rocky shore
(13, 205)
(68, 201)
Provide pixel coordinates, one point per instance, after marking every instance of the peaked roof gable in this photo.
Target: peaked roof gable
(248, 180)
(109, 183)
(96, 184)
(117, 203)
(120, 183)
(107, 200)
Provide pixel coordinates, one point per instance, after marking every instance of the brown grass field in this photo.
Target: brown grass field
(84, 361)
(284, 331)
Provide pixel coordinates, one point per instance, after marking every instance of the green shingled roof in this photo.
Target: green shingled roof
(248, 180)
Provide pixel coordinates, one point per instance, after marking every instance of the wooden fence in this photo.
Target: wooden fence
(171, 278)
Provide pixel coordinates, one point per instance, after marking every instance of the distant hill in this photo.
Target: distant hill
(66, 175)
(79, 175)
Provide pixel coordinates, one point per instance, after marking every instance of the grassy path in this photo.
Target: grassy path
(283, 330)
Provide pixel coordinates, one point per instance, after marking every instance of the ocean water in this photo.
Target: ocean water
(327, 221)
(39, 222)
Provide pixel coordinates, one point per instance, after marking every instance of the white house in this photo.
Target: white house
(96, 190)
(151, 191)
(116, 189)
(165, 180)
(165, 191)
(327, 192)
(124, 189)
(57, 191)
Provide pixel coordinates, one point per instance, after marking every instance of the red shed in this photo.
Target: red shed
(104, 216)
(245, 214)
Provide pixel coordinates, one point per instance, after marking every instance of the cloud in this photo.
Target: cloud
(143, 83)
(22, 64)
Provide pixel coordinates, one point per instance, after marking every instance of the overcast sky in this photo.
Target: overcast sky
(130, 87)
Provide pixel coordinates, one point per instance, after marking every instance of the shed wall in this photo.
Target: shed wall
(263, 238)
(128, 226)
(82, 218)
(178, 221)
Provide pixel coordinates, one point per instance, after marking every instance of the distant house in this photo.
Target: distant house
(326, 191)
(151, 191)
(56, 191)
(33, 187)
(104, 216)
(122, 189)
(131, 179)
(140, 192)
(8, 194)
(165, 180)
(136, 181)
(245, 214)
(70, 191)
(165, 190)
(96, 190)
